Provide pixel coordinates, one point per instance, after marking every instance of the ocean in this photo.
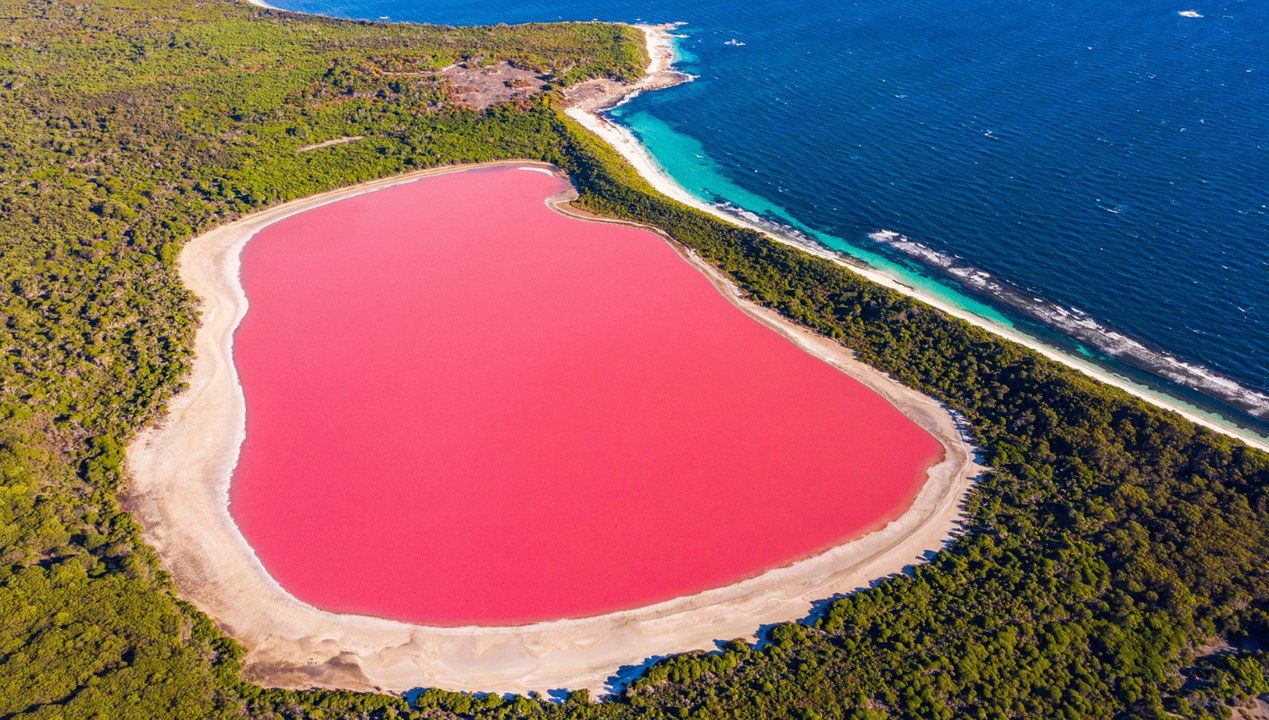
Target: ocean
(1092, 173)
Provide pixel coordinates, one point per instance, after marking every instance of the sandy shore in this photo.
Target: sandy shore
(180, 475)
(660, 44)
(595, 96)
(329, 143)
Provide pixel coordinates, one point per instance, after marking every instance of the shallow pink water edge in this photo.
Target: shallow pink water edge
(465, 408)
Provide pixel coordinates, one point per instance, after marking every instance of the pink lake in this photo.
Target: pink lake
(465, 408)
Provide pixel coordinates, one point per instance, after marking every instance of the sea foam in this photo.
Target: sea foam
(1078, 324)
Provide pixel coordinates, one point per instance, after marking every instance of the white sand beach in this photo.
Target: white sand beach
(180, 475)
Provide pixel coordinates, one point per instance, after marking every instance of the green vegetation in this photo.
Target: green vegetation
(1114, 561)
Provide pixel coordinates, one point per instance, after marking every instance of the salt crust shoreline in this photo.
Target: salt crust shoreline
(661, 73)
(180, 473)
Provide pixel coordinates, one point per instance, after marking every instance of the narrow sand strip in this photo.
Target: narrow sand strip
(329, 143)
(660, 46)
(179, 493)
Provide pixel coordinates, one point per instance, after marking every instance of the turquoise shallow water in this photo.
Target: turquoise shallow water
(1093, 172)
(684, 159)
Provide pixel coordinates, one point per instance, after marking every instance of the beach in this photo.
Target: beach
(593, 97)
(660, 45)
(179, 490)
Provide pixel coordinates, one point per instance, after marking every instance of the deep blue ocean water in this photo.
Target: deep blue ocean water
(1094, 172)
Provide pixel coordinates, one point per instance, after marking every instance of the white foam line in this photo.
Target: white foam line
(1084, 328)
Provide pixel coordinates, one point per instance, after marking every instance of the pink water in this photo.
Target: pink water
(463, 407)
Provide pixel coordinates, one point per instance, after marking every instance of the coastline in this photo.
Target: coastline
(593, 97)
(660, 46)
(181, 469)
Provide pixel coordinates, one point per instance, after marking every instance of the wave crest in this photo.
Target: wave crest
(1083, 327)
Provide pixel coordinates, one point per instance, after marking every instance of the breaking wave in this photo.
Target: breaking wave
(1079, 325)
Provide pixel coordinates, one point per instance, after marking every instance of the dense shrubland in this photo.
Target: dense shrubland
(1113, 563)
